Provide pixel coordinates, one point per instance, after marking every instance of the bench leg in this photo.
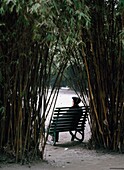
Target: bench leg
(82, 136)
(72, 136)
(75, 137)
(55, 137)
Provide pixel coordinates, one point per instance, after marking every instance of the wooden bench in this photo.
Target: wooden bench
(69, 119)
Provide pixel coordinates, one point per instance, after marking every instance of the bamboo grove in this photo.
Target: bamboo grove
(39, 40)
(103, 56)
(27, 62)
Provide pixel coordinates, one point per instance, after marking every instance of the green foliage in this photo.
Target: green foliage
(121, 2)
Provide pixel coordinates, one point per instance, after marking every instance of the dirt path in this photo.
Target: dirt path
(69, 155)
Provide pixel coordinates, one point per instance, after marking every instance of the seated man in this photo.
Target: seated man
(76, 102)
(76, 118)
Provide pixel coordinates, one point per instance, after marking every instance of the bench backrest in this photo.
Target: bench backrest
(69, 119)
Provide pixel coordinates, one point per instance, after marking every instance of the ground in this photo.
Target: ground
(69, 155)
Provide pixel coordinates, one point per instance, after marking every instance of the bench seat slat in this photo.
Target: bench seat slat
(60, 127)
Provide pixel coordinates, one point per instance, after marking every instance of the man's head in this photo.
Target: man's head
(76, 100)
